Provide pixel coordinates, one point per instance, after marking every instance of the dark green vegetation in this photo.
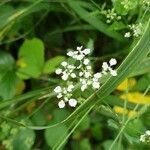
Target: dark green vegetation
(35, 36)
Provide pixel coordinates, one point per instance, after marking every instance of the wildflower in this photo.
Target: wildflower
(59, 95)
(145, 138)
(64, 76)
(81, 73)
(58, 71)
(57, 89)
(113, 72)
(72, 102)
(111, 15)
(86, 61)
(112, 62)
(61, 104)
(105, 66)
(87, 51)
(96, 85)
(70, 88)
(73, 75)
(135, 30)
(128, 34)
(98, 75)
(64, 64)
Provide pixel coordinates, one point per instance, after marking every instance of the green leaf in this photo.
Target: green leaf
(52, 135)
(31, 59)
(39, 118)
(85, 124)
(24, 139)
(8, 85)
(97, 131)
(85, 144)
(134, 128)
(8, 78)
(6, 63)
(51, 65)
(108, 143)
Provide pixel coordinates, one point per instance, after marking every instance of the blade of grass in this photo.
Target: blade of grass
(39, 92)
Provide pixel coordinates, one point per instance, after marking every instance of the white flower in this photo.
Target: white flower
(87, 74)
(148, 132)
(57, 89)
(89, 82)
(105, 66)
(112, 62)
(70, 88)
(65, 76)
(113, 72)
(95, 79)
(79, 48)
(70, 53)
(145, 138)
(80, 74)
(128, 34)
(72, 102)
(59, 95)
(97, 75)
(58, 71)
(79, 57)
(64, 63)
(86, 51)
(86, 61)
(142, 138)
(83, 87)
(73, 75)
(64, 91)
(95, 85)
(83, 81)
(71, 67)
(88, 67)
(61, 104)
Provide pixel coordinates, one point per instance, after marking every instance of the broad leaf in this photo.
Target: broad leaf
(31, 59)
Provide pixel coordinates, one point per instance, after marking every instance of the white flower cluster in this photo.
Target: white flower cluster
(136, 30)
(127, 4)
(111, 15)
(80, 73)
(145, 138)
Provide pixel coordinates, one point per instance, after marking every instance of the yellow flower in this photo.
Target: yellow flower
(126, 84)
(121, 110)
(136, 97)
(133, 97)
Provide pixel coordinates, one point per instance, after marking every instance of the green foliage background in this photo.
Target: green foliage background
(34, 38)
